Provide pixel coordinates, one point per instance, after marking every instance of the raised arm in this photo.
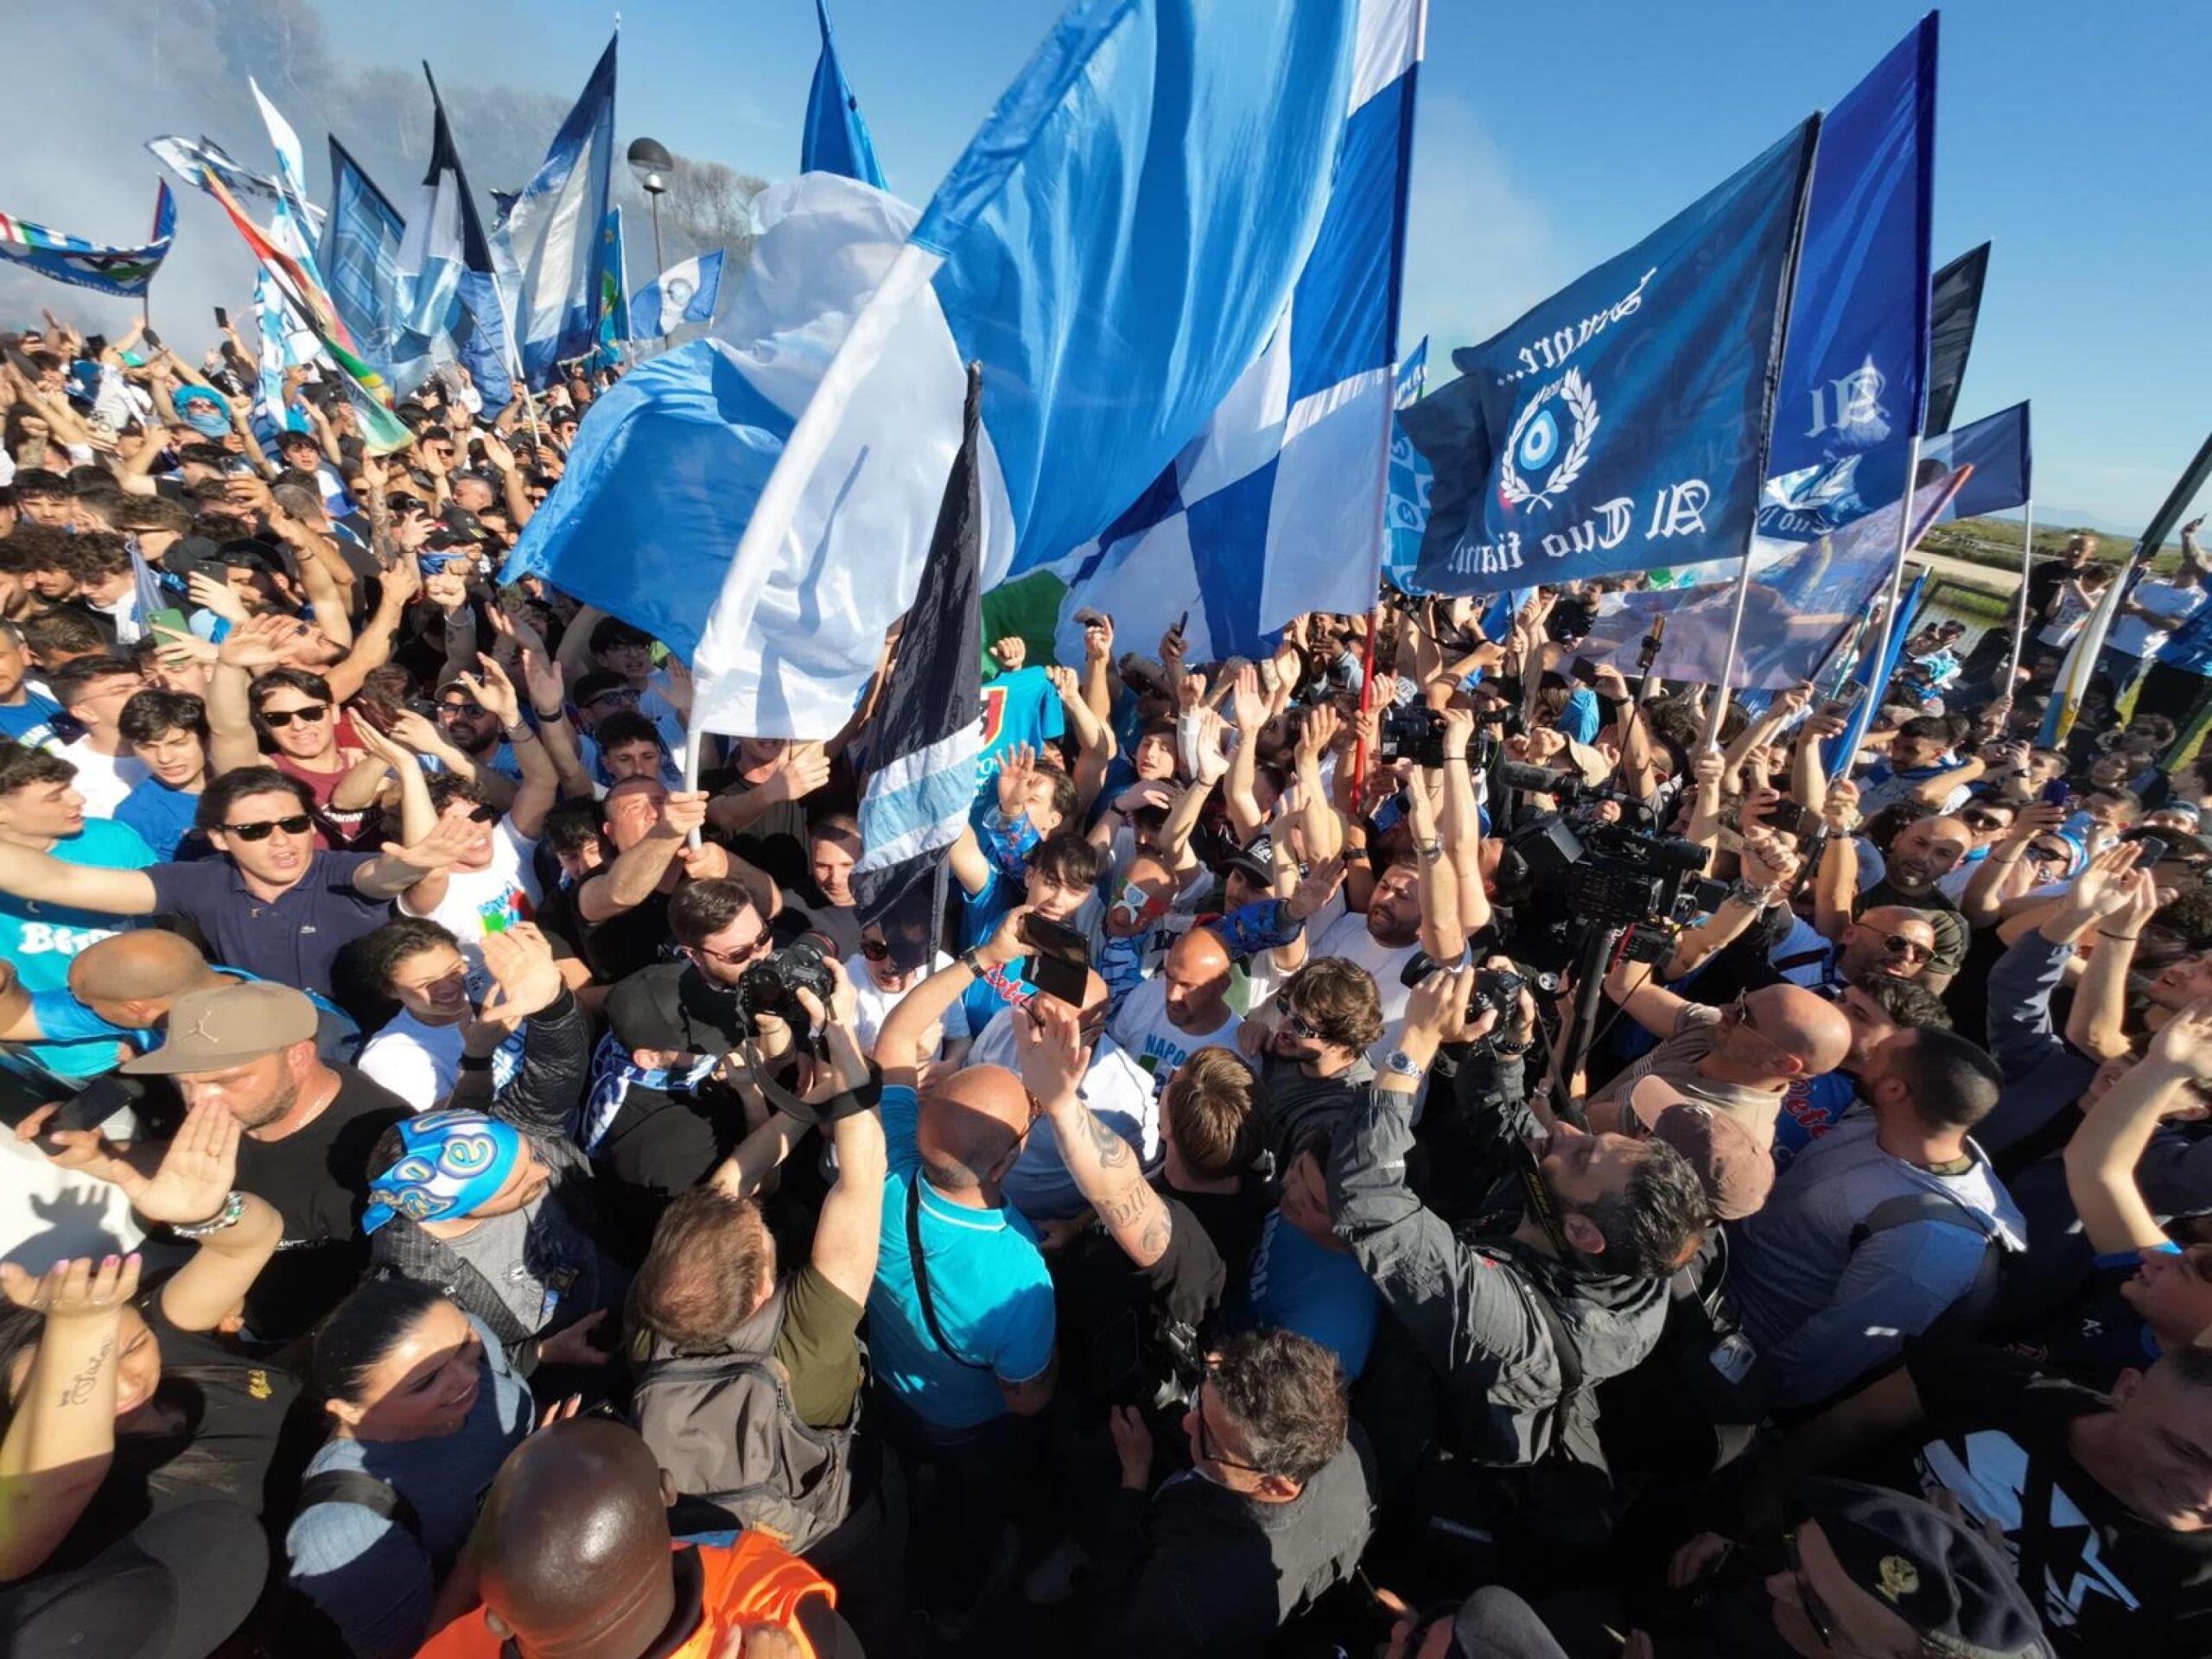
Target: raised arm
(2121, 899)
(1836, 885)
(30, 875)
(1442, 933)
(625, 884)
(1462, 823)
(1104, 1167)
(541, 782)
(904, 1040)
(2100, 1159)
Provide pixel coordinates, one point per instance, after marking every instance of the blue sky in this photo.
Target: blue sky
(1553, 136)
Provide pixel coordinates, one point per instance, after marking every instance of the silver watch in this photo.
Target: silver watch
(1399, 1064)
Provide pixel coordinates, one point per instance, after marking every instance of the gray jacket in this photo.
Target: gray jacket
(1470, 1306)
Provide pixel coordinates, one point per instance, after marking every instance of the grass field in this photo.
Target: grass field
(1997, 541)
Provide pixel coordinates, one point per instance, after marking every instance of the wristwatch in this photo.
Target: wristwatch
(1399, 1064)
(973, 963)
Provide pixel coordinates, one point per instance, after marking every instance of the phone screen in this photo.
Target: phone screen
(1059, 978)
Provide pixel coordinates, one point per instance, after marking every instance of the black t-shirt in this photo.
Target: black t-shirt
(213, 1428)
(1232, 1221)
(631, 940)
(839, 923)
(2097, 1335)
(1113, 1314)
(2105, 1581)
(317, 1179)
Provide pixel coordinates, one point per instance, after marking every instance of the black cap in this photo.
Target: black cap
(449, 539)
(250, 553)
(1944, 1580)
(1257, 860)
(460, 520)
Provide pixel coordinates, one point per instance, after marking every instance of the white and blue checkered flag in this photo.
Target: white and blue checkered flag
(1280, 505)
(922, 775)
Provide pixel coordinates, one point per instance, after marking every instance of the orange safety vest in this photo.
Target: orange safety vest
(753, 1582)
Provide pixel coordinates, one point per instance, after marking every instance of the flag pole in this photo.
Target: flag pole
(2021, 622)
(1897, 572)
(1719, 712)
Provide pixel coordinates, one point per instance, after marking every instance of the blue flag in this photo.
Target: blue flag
(1116, 247)
(1996, 447)
(1278, 504)
(836, 138)
(1622, 423)
(1411, 479)
(451, 308)
(551, 239)
(124, 272)
(360, 258)
(684, 293)
(1854, 376)
(1841, 752)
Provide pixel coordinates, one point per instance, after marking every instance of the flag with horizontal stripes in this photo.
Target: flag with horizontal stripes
(123, 272)
(928, 731)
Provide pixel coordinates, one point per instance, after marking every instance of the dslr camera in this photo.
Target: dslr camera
(772, 987)
(1414, 734)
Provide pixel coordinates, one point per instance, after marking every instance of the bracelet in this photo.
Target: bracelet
(972, 963)
(475, 1062)
(521, 732)
(227, 1217)
(558, 714)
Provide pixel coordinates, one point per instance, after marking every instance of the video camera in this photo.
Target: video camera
(1493, 987)
(1416, 733)
(1612, 874)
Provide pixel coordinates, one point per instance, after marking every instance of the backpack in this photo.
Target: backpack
(723, 1425)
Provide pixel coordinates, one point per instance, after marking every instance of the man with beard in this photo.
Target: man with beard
(1918, 857)
(1310, 1046)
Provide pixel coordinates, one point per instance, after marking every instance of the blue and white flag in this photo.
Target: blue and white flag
(1854, 374)
(921, 781)
(1115, 247)
(1804, 598)
(1997, 448)
(124, 272)
(1411, 479)
(284, 344)
(684, 293)
(450, 306)
(1622, 423)
(668, 463)
(1841, 753)
(360, 259)
(551, 239)
(193, 159)
(1278, 505)
(836, 138)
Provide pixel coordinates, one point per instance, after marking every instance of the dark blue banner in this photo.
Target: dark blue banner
(1622, 423)
(1996, 447)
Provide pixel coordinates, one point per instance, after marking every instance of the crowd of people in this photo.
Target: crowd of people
(1415, 1144)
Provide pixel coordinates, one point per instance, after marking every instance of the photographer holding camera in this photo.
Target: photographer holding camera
(1499, 1329)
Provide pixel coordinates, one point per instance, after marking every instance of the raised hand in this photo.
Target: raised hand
(1315, 888)
(82, 1289)
(494, 690)
(525, 977)
(258, 642)
(1049, 1035)
(196, 1172)
(1097, 637)
(1016, 767)
(804, 769)
(1065, 683)
(1009, 652)
(683, 812)
(1840, 810)
(1212, 758)
(1318, 732)
(1248, 705)
(448, 590)
(448, 843)
(2186, 1040)
(214, 595)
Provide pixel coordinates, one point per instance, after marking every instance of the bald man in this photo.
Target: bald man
(1741, 1060)
(573, 1560)
(1183, 1007)
(1892, 939)
(120, 990)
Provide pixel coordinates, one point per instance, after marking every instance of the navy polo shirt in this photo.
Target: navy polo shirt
(292, 938)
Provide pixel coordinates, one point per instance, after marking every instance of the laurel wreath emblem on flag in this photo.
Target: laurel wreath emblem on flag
(1581, 401)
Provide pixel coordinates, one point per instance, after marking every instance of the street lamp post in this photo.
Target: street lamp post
(651, 161)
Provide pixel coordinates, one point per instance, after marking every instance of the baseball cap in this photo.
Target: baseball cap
(1737, 1172)
(1941, 1578)
(1257, 860)
(228, 1025)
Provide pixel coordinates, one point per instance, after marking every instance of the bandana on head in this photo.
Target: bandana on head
(449, 1163)
(202, 410)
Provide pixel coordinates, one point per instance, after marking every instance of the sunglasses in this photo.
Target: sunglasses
(483, 815)
(277, 719)
(298, 824)
(875, 950)
(1911, 950)
(736, 958)
(449, 710)
(1207, 1448)
(1292, 1022)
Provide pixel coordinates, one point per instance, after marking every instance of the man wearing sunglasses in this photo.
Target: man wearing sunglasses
(274, 905)
(1890, 940)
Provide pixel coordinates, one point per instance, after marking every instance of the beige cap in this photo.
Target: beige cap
(1737, 1172)
(228, 1025)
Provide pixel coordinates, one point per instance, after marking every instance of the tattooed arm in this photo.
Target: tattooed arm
(61, 1439)
(1104, 1167)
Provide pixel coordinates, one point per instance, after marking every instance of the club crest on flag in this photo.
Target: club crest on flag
(1534, 444)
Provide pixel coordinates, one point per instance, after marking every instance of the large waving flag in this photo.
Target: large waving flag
(1854, 374)
(1116, 248)
(684, 293)
(667, 464)
(1954, 308)
(836, 138)
(450, 306)
(123, 272)
(552, 234)
(360, 258)
(921, 783)
(1622, 423)
(1280, 503)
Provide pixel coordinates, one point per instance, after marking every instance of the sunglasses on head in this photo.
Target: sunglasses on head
(298, 824)
(277, 719)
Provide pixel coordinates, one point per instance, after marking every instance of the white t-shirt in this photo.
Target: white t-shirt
(876, 1003)
(102, 779)
(1347, 937)
(489, 900)
(2136, 638)
(421, 1063)
(1141, 1027)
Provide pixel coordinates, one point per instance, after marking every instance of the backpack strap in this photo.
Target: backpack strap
(358, 1486)
(922, 1277)
(1920, 1204)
